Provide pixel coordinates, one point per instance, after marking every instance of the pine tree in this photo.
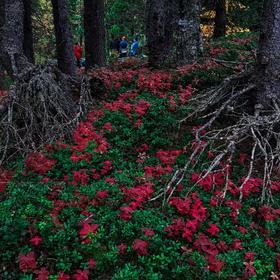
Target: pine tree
(12, 56)
(220, 18)
(28, 34)
(64, 44)
(94, 33)
(173, 30)
(268, 58)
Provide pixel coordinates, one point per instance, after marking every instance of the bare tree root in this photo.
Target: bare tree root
(42, 106)
(260, 129)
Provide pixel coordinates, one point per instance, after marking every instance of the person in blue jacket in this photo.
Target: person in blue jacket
(123, 47)
(134, 47)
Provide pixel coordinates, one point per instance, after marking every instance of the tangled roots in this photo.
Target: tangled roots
(43, 105)
(231, 123)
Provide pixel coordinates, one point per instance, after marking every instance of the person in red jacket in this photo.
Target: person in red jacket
(78, 52)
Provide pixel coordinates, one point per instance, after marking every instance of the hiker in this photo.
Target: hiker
(123, 47)
(78, 51)
(134, 47)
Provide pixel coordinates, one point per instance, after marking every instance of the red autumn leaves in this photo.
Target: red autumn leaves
(38, 163)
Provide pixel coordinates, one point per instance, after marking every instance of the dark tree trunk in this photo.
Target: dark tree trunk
(2, 22)
(159, 31)
(28, 34)
(173, 32)
(64, 44)
(12, 56)
(187, 38)
(94, 33)
(268, 59)
(220, 18)
(1, 78)
(81, 22)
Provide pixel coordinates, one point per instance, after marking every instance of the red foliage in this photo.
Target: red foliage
(176, 229)
(5, 177)
(184, 94)
(39, 163)
(198, 210)
(213, 229)
(139, 193)
(140, 246)
(126, 212)
(36, 240)
(27, 261)
(91, 263)
(80, 177)
(148, 232)
(63, 276)
(88, 229)
(157, 171)
(187, 234)
(122, 248)
(108, 126)
(142, 107)
(86, 133)
(168, 157)
(237, 244)
(249, 269)
(182, 205)
(157, 83)
(42, 274)
(204, 245)
(102, 194)
(3, 93)
(214, 264)
(249, 256)
(81, 275)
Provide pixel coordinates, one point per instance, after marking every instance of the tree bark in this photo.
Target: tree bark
(220, 19)
(28, 34)
(187, 44)
(64, 44)
(159, 31)
(94, 33)
(173, 31)
(1, 79)
(268, 57)
(2, 22)
(12, 56)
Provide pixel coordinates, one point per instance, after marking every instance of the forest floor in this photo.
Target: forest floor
(99, 206)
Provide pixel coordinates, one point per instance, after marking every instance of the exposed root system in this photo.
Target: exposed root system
(230, 121)
(43, 105)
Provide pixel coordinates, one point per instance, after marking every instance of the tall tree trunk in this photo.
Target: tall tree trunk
(63, 35)
(173, 32)
(12, 56)
(1, 78)
(2, 22)
(187, 45)
(220, 18)
(28, 34)
(81, 21)
(268, 58)
(94, 33)
(159, 31)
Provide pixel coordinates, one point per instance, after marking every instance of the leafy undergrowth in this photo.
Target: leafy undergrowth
(84, 207)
